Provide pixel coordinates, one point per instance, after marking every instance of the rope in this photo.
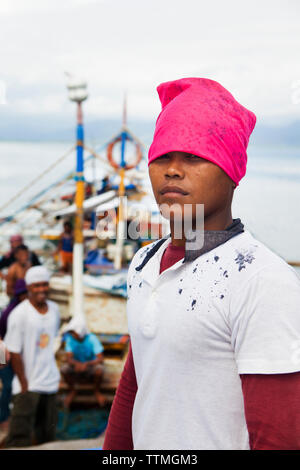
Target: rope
(32, 203)
(37, 178)
(70, 174)
(101, 159)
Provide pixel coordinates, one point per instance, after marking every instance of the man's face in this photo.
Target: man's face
(15, 243)
(38, 291)
(181, 178)
(22, 256)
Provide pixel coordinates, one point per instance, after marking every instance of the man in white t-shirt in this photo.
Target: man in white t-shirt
(214, 326)
(32, 328)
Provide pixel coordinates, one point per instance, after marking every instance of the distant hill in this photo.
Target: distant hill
(58, 128)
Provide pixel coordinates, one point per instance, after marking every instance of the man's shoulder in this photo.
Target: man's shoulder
(251, 258)
(8, 257)
(68, 338)
(246, 248)
(13, 268)
(19, 312)
(53, 306)
(92, 337)
(21, 308)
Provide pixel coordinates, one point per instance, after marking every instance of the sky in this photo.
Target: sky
(251, 48)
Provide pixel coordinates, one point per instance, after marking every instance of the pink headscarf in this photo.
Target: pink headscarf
(16, 238)
(201, 117)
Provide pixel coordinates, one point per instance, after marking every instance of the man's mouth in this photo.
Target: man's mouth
(41, 296)
(173, 191)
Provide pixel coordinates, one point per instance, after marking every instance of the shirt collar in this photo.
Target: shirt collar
(212, 239)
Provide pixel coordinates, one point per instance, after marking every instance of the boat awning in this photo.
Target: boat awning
(88, 204)
(106, 206)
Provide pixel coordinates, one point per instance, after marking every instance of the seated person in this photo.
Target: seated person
(84, 360)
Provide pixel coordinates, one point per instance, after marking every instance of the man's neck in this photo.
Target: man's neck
(41, 307)
(215, 223)
(23, 265)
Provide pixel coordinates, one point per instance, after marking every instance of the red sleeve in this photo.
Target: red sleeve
(118, 435)
(272, 410)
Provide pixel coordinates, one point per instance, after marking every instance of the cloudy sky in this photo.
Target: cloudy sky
(252, 48)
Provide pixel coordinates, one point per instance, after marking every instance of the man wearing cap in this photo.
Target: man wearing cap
(31, 330)
(214, 320)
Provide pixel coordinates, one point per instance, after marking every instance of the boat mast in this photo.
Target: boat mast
(121, 216)
(78, 93)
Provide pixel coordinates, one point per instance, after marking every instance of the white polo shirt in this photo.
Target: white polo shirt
(198, 325)
(32, 335)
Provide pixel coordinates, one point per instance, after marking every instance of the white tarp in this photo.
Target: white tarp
(88, 204)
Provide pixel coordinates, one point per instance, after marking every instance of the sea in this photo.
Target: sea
(267, 199)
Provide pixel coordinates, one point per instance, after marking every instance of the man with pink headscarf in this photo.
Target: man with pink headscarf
(214, 320)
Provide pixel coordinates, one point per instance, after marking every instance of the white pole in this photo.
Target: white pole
(78, 304)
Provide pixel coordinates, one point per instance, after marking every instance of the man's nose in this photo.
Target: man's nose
(174, 170)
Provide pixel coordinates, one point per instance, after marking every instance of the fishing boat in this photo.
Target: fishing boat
(117, 185)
